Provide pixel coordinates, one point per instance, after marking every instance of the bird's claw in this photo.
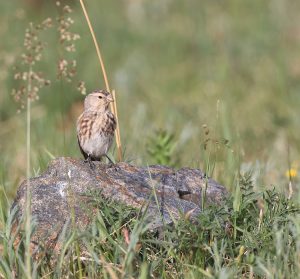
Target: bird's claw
(90, 162)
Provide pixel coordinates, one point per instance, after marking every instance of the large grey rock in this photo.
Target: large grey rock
(62, 189)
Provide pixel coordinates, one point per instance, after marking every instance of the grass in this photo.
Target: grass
(220, 80)
(227, 242)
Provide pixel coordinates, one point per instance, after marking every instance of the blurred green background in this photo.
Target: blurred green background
(176, 65)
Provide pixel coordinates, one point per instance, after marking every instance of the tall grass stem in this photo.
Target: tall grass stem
(118, 135)
(28, 194)
(112, 106)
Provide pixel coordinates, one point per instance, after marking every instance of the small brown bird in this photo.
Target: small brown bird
(96, 126)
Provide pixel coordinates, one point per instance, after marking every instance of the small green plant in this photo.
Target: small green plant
(29, 81)
(162, 147)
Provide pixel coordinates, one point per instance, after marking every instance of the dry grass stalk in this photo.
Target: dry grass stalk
(112, 105)
(118, 135)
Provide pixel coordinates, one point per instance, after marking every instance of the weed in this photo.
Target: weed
(161, 148)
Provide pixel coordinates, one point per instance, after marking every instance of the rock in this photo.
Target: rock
(63, 187)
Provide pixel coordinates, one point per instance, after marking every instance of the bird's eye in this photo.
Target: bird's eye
(100, 97)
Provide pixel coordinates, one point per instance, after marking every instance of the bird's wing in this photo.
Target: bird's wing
(85, 155)
(113, 121)
(84, 126)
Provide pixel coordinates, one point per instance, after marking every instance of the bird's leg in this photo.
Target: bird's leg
(110, 161)
(89, 160)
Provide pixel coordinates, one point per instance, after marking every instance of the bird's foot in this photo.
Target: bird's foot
(90, 162)
(111, 164)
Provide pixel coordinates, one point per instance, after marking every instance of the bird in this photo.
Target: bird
(96, 126)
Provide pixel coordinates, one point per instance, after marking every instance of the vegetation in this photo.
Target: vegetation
(219, 80)
(254, 235)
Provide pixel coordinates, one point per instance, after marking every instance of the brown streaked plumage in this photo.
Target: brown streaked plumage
(96, 126)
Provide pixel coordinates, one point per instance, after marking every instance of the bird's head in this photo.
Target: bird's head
(98, 100)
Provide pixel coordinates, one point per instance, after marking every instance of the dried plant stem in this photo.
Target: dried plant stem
(112, 106)
(96, 45)
(118, 135)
